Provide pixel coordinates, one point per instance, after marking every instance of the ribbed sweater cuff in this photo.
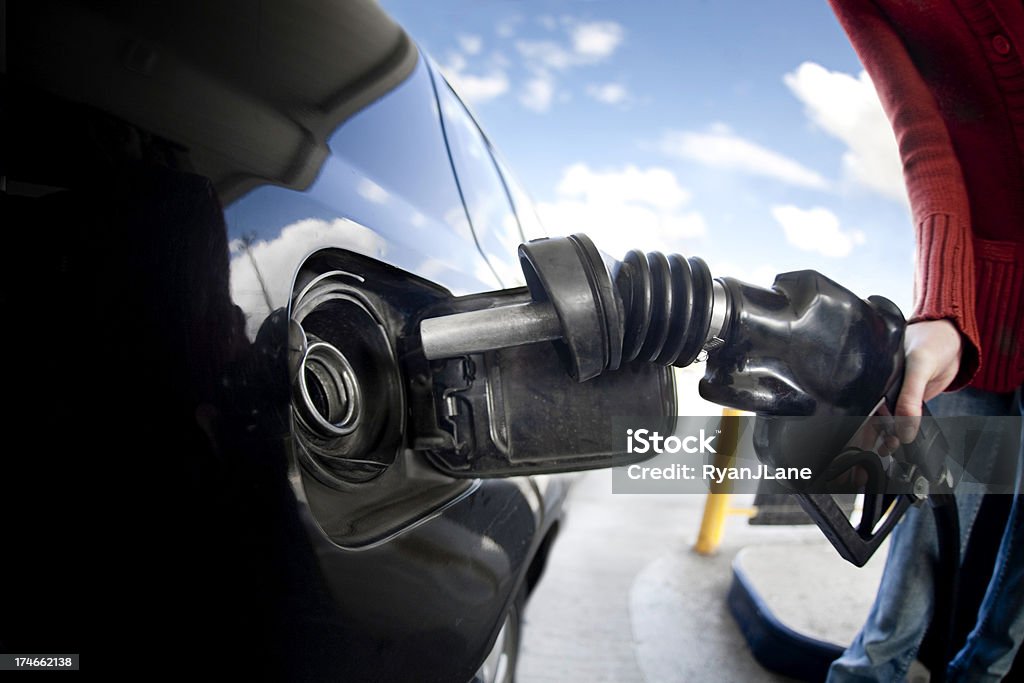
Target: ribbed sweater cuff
(944, 285)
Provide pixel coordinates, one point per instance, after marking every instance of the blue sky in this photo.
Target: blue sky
(741, 132)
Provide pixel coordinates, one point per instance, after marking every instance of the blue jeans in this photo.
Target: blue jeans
(888, 642)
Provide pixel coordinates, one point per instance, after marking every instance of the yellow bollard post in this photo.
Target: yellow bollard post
(716, 507)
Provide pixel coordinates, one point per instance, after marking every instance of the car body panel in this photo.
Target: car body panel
(142, 123)
(387, 190)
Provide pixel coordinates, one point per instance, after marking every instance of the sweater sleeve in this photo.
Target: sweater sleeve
(944, 279)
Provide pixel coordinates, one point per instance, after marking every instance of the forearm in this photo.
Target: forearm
(944, 283)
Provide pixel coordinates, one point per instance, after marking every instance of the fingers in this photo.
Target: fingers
(933, 356)
(908, 405)
(915, 379)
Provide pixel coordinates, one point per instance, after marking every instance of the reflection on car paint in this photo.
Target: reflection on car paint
(483, 189)
(389, 175)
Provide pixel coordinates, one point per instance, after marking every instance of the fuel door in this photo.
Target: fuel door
(364, 394)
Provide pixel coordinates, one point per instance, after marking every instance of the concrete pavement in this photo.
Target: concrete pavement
(624, 597)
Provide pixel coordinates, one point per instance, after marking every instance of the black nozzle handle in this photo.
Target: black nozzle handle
(928, 452)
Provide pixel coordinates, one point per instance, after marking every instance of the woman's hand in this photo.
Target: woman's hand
(933, 349)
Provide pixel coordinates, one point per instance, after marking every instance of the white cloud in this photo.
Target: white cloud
(456, 62)
(278, 258)
(596, 40)
(538, 93)
(582, 44)
(655, 186)
(722, 148)
(609, 93)
(474, 88)
(471, 44)
(761, 274)
(623, 209)
(506, 28)
(589, 43)
(817, 230)
(546, 54)
(848, 108)
(372, 191)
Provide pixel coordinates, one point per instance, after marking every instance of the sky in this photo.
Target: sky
(745, 133)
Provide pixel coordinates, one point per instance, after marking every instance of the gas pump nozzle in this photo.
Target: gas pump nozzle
(811, 359)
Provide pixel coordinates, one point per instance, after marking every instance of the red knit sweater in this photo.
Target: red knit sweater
(951, 79)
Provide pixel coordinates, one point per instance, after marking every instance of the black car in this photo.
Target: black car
(226, 221)
(193, 181)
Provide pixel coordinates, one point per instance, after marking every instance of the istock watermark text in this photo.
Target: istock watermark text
(646, 441)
